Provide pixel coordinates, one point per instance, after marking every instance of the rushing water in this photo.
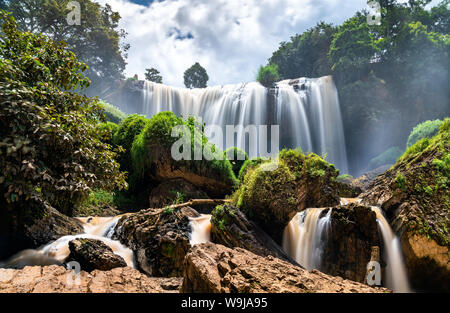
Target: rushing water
(200, 229)
(56, 252)
(396, 276)
(303, 237)
(307, 111)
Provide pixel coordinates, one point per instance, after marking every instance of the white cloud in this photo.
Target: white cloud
(232, 38)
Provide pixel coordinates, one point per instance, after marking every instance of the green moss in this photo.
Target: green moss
(424, 130)
(344, 177)
(293, 159)
(249, 165)
(400, 180)
(315, 166)
(221, 215)
(237, 158)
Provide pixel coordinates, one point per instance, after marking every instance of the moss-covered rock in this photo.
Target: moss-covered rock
(272, 192)
(152, 156)
(237, 158)
(414, 194)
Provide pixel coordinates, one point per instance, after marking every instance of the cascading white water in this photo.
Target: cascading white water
(307, 111)
(396, 276)
(303, 237)
(99, 228)
(200, 229)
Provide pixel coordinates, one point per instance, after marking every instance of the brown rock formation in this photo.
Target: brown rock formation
(159, 239)
(56, 279)
(166, 192)
(94, 255)
(216, 269)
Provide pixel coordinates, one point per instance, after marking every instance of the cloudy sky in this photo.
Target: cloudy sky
(230, 38)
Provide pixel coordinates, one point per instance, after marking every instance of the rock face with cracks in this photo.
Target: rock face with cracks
(215, 268)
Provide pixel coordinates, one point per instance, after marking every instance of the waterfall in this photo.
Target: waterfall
(200, 229)
(303, 237)
(307, 111)
(396, 277)
(56, 252)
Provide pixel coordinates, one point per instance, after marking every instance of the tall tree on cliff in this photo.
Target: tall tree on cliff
(153, 75)
(196, 77)
(96, 41)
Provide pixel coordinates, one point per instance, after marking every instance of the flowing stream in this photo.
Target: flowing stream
(56, 252)
(303, 237)
(307, 111)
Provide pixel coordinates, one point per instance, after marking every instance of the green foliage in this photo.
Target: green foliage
(294, 159)
(95, 42)
(416, 148)
(389, 156)
(50, 148)
(155, 141)
(344, 177)
(112, 113)
(315, 166)
(400, 180)
(237, 158)
(124, 136)
(106, 131)
(305, 55)
(221, 215)
(196, 77)
(268, 75)
(249, 165)
(153, 75)
(426, 129)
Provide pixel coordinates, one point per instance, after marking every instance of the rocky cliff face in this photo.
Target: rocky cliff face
(349, 243)
(414, 194)
(230, 227)
(56, 279)
(159, 239)
(214, 268)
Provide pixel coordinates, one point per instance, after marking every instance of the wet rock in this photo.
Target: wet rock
(94, 255)
(56, 279)
(363, 182)
(348, 245)
(215, 268)
(414, 194)
(230, 227)
(159, 239)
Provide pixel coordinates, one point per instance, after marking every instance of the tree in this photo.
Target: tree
(51, 150)
(268, 75)
(196, 77)
(153, 75)
(306, 55)
(95, 42)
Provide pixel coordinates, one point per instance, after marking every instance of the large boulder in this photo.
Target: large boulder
(26, 229)
(56, 279)
(159, 239)
(153, 159)
(230, 227)
(93, 255)
(348, 244)
(414, 194)
(212, 268)
(273, 192)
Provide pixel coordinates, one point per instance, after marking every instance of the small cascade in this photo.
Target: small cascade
(303, 237)
(396, 276)
(201, 229)
(347, 201)
(56, 252)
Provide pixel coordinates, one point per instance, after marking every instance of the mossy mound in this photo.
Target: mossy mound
(414, 194)
(153, 149)
(272, 192)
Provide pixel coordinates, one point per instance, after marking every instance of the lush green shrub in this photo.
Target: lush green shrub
(268, 75)
(426, 129)
(389, 156)
(249, 165)
(112, 113)
(106, 131)
(155, 141)
(345, 177)
(237, 157)
(50, 148)
(124, 136)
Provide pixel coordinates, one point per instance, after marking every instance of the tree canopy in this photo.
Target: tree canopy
(51, 150)
(95, 42)
(196, 77)
(153, 75)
